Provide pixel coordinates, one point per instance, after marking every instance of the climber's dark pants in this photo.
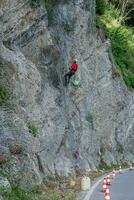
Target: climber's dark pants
(68, 75)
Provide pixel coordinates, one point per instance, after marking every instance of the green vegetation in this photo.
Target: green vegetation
(101, 6)
(90, 116)
(32, 128)
(55, 196)
(108, 168)
(50, 7)
(34, 3)
(69, 25)
(95, 174)
(18, 194)
(4, 172)
(38, 194)
(122, 38)
(104, 169)
(5, 92)
(51, 12)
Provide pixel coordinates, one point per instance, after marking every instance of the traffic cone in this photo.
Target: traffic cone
(107, 194)
(120, 169)
(113, 174)
(108, 180)
(104, 185)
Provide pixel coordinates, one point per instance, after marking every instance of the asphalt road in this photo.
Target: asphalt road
(122, 188)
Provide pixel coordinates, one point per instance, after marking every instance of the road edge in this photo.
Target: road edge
(90, 192)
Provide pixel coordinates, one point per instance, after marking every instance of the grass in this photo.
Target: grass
(69, 25)
(103, 169)
(4, 172)
(42, 192)
(122, 40)
(5, 92)
(56, 195)
(50, 7)
(95, 174)
(32, 128)
(90, 117)
(59, 186)
(34, 3)
(101, 6)
(123, 51)
(51, 11)
(18, 194)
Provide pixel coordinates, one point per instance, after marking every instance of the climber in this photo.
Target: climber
(71, 72)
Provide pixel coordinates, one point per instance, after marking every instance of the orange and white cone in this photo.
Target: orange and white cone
(104, 185)
(120, 169)
(130, 167)
(113, 174)
(108, 180)
(107, 194)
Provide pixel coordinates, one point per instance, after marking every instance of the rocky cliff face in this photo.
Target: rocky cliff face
(45, 123)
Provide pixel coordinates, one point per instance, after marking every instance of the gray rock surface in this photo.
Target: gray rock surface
(5, 186)
(96, 118)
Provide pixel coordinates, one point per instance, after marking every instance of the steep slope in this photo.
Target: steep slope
(96, 118)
